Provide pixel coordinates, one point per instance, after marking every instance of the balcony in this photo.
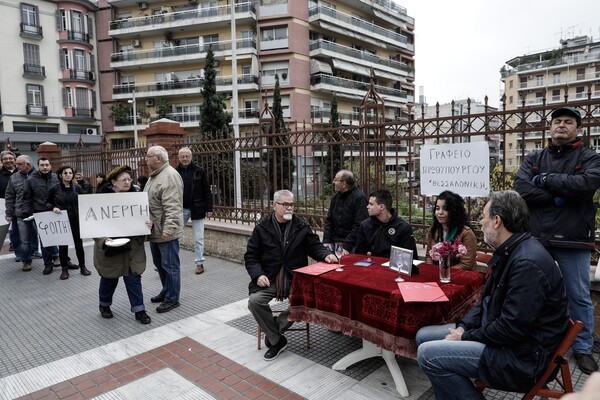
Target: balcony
(182, 18)
(87, 113)
(34, 71)
(80, 75)
(175, 54)
(542, 66)
(355, 89)
(31, 31)
(579, 78)
(78, 36)
(190, 86)
(331, 19)
(36, 111)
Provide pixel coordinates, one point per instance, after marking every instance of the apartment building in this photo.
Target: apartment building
(48, 79)
(152, 53)
(571, 70)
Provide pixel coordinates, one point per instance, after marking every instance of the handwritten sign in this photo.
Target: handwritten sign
(113, 214)
(3, 213)
(462, 168)
(54, 229)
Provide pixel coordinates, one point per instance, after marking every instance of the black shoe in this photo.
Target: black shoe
(586, 363)
(274, 351)
(47, 270)
(143, 317)
(267, 343)
(70, 265)
(166, 306)
(105, 312)
(158, 298)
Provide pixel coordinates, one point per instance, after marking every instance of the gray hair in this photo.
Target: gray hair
(26, 158)
(347, 176)
(283, 192)
(5, 152)
(512, 209)
(185, 149)
(161, 152)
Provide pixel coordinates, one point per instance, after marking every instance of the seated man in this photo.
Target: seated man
(279, 244)
(383, 228)
(508, 338)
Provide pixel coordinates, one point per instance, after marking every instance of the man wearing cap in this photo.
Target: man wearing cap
(558, 183)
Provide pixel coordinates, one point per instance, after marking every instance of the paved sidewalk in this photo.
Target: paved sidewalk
(55, 345)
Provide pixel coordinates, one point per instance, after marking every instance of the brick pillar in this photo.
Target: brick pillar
(168, 134)
(52, 152)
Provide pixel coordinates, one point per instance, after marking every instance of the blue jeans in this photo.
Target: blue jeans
(449, 364)
(165, 256)
(15, 240)
(48, 254)
(198, 230)
(133, 285)
(25, 235)
(575, 268)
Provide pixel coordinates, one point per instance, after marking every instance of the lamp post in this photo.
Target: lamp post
(135, 132)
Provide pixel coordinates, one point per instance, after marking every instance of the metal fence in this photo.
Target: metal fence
(245, 172)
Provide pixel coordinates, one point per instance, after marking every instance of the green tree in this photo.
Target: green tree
(333, 159)
(279, 158)
(214, 120)
(163, 107)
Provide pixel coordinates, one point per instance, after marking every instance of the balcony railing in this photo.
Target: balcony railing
(34, 70)
(83, 75)
(83, 112)
(183, 117)
(78, 36)
(34, 110)
(354, 53)
(357, 85)
(186, 15)
(31, 30)
(357, 22)
(248, 113)
(191, 83)
(535, 83)
(566, 60)
(181, 50)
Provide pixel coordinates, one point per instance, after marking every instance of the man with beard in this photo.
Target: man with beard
(280, 243)
(508, 338)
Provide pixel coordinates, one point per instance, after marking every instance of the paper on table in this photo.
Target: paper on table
(428, 292)
(415, 262)
(317, 268)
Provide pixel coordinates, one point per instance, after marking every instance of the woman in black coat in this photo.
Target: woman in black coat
(63, 196)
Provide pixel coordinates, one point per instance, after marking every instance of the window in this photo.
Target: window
(556, 77)
(580, 92)
(273, 7)
(556, 95)
(32, 127)
(246, 69)
(67, 97)
(76, 21)
(31, 54)
(64, 59)
(128, 80)
(82, 98)
(251, 109)
(269, 70)
(510, 99)
(285, 105)
(35, 95)
(29, 15)
(539, 80)
(61, 22)
(275, 37)
(210, 40)
(79, 60)
(510, 84)
(186, 113)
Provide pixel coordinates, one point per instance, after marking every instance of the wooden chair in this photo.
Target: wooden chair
(483, 258)
(307, 329)
(559, 362)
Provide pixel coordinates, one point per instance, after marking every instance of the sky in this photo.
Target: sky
(461, 45)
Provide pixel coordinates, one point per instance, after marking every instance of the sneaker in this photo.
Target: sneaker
(26, 267)
(106, 312)
(166, 306)
(274, 351)
(199, 269)
(37, 255)
(56, 261)
(143, 317)
(586, 363)
(159, 298)
(48, 270)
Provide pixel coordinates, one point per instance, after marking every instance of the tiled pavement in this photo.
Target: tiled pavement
(55, 345)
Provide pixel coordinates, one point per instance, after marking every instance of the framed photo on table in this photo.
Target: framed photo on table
(401, 260)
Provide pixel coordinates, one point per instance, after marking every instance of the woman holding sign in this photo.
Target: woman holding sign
(121, 257)
(63, 196)
(450, 223)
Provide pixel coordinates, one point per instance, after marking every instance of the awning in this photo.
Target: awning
(351, 67)
(389, 75)
(317, 66)
(389, 18)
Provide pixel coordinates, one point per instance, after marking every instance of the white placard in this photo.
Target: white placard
(113, 214)
(3, 213)
(462, 168)
(54, 229)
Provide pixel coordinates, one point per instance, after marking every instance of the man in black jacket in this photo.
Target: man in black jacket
(347, 210)
(279, 244)
(558, 183)
(383, 229)
(197, 201)
(508, 338)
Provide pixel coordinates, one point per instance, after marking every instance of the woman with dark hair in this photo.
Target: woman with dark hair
(101, 182)
(450, 223)
(63, 196)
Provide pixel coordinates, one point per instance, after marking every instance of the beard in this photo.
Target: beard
(288, 216)
(490, 236)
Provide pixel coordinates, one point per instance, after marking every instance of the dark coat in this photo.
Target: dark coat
(35, 192)
(378, 237)
(346, 212)
(86, 188)
(4, 177)
(527, 314)
(64, 198)
(197, 197)
(266, 253)
(574, 176)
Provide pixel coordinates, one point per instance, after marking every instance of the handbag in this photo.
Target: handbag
(113, 251)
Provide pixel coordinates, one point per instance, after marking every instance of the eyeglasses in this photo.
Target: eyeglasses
(285, 204)
(125, 180)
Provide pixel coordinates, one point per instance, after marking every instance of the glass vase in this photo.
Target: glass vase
(444, 266)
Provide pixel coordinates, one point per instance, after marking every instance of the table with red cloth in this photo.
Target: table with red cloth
(365, 302)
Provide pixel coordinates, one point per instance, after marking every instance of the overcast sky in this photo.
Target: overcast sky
(462, 44)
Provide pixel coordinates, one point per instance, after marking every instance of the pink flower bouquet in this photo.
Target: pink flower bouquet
(448, 249)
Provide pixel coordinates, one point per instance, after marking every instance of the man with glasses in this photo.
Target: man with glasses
(280, 243)
(9, 168)
(165, 194)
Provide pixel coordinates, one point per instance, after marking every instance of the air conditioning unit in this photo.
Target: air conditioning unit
(91, 131)
(135, 43)
(142, 5)
(150, 103)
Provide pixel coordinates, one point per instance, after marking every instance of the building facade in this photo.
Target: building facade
(48, 79)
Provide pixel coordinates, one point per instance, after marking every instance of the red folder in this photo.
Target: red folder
(427, 292)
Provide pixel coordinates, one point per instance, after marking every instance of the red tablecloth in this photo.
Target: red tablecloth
(365, 302)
